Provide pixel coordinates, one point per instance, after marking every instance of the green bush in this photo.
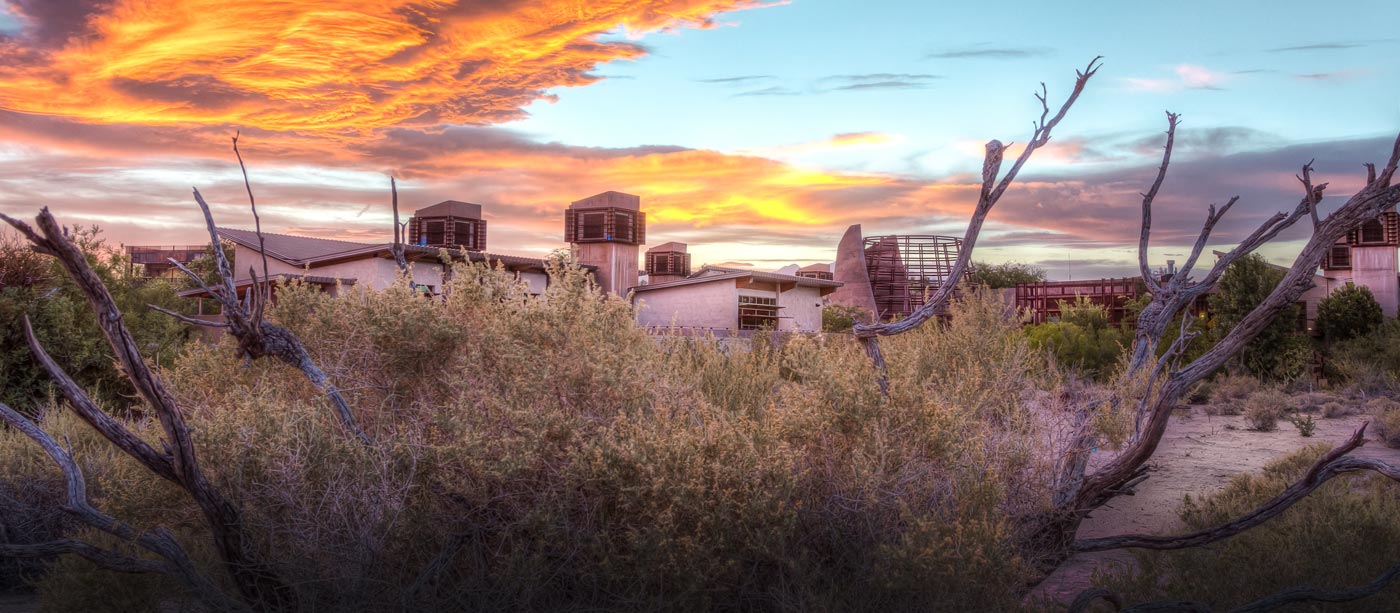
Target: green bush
(1305, 424)
(840, 318)
(1279, 352)
(1005, 275)
(36, 287)
(1347, 313)
(1369, 362)
(1082, 340)
(1343, 535)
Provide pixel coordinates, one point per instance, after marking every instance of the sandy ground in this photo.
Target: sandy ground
(1198, 455)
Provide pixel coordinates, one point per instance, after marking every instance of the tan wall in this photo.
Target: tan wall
(537, 281)
(700, 305)
(1375, 268)
(616, 262)
(802, 310)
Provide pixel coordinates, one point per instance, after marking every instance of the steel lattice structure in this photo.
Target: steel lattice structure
(905, 270)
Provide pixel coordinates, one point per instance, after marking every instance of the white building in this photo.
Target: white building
(731, 301)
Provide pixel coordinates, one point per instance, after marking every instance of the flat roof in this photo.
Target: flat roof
(717, 273)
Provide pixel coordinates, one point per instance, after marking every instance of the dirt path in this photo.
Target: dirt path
(1198, 455)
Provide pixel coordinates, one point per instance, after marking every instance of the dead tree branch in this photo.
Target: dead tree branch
(1333, 464)
(1272, 602)
(1377, 196)
(159, 541)
(256, 581)
(257, 338)
(990, 194)
(398, 234)
(1172, 120)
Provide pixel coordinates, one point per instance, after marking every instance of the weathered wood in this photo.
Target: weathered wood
(1333, 464)
(255, 579)
(159, 541)
(991, 192)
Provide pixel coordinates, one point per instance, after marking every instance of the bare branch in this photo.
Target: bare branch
(1311, 195)
(1311, 594)
(159, 542)
(987, 199)
(159, 463)
(105, 558)
(257, 338)
(398, 236)
(254, 578)
(1334, 463)
(1172, 120)
(258, 304)
(1268, 603)
(189, 320)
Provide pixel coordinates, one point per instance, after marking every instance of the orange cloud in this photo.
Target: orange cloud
(337, 69)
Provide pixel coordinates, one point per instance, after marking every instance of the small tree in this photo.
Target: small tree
(1006, 274)
(1084, 338)
(1278, 352)
(841, 318)
(1348, 313)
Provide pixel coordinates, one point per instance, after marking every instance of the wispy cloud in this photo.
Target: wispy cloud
(1329, 46)
(776, 90)
(876, 80)
(1187, 76)
(984, 52)
(741, 80)
(1339, 75)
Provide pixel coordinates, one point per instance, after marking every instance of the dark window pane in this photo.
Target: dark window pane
(437, 232)
(592, 226)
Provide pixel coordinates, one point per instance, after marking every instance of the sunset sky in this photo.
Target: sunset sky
(755, 131)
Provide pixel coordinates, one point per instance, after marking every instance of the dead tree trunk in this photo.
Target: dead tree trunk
(245, 319)
(256, 580)
(1050, 537)
(991, 193)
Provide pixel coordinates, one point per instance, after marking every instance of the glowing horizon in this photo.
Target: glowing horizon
(753, 131)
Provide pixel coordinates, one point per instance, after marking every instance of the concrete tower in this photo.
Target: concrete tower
(449, 224)
(667, 262)
(606, 231)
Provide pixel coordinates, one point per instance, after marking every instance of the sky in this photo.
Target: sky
(755, 131)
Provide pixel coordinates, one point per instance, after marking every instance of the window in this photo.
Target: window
(436, 233)
(622, 230)
(757, 312)
(464, 234)
(1372, 232)
(1339, 257)
(593, 226)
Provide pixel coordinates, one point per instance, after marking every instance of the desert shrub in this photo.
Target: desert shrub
(1311, 402)
(1386, 422)
(1264, 408)
(1341, 536)
(840, 318)
(1083, 339)
(1347, 313)
(559, 458)
(1305, 424)
(1337, 409)
(1368, 362)
(1228, 393)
